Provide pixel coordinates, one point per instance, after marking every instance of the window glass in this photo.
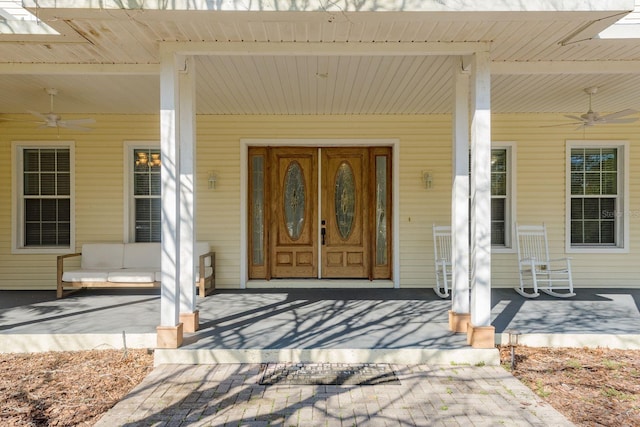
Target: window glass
(146, 193)
(594, 196)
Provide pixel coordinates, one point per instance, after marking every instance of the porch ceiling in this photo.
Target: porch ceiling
(106, 61)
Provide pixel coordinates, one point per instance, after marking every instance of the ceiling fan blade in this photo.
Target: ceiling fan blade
(87, 121)
(579, 119)
(563, 124)
(627, 120)
(622, 113)
(38, 115)
(72, 125)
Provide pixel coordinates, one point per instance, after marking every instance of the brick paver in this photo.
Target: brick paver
(230, 395)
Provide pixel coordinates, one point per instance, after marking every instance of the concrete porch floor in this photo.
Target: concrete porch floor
(331, 325)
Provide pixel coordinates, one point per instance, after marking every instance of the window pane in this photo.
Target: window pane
(576, 232)
(498, 160)
(294, 200)
(49, 234)
(64, 210)
(498, 184)
(577, 160)
(381, 210)
(155, 184)
(32, 210)
(345, 199)
(32, 234)
(577, 183)
(610, 159)
(64, 234)
(31, 160)
(141, 184)
(49, 210)
(257, 225)
(47, 184)
(591, 232)
(576, 209)
(64, 164)
(591, 208)
(609, 183)
(592, 160)
(48, 160)
(592, 183)
(155, 209)
(64, 184)
(497, 209)
(607, 232)
(31, 184)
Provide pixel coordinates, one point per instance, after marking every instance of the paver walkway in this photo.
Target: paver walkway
(230, 395)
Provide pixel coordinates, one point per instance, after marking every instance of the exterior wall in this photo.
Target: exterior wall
(424, 146)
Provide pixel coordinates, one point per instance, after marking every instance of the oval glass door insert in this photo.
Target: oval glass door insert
(294, 200)
(345, 199)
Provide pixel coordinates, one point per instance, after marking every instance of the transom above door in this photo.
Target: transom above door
(319, 212)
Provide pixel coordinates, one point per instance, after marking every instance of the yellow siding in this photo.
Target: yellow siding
(424, 146)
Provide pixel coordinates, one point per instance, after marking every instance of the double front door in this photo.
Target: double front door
(319, 212)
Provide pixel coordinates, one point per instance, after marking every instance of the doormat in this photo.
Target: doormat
(327, 374)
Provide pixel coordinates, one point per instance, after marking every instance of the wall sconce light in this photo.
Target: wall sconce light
(212, 180)
(427, 179)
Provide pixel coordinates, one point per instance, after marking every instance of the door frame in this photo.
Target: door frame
(245, 143)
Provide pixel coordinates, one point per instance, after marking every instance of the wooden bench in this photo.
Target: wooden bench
(115, 265)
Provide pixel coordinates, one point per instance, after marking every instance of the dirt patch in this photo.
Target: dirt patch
(67, 388)
(592, 387)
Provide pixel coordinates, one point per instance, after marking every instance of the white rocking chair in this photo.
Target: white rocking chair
(536, 270)
(442, 255)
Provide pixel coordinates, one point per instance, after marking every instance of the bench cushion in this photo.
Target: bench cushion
(102, 256)
(146, 255)
(85, 276)
(127, 275)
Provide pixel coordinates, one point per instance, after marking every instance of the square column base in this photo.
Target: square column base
(190, 321)
(481, 336)
(458, 322)
(169, 336)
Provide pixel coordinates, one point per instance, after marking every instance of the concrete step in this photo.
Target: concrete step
(458, 356)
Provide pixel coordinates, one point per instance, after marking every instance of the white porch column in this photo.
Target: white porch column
(480, 332)
(189, 316)
(169, 333)
(459, 314)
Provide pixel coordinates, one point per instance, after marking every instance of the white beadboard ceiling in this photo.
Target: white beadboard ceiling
(107, 61)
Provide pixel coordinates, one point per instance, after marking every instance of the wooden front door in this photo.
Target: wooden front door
(345, 209)
(338, 229)
(293, 237)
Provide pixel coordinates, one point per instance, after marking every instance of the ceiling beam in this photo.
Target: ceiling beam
(325, 49)
(80, 69)
(565, 67)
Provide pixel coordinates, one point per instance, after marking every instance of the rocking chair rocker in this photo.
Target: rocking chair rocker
(536, 270)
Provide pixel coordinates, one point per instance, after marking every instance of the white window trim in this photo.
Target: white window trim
(129, 214)
(510, 147)
(17, 214)
(623, 225)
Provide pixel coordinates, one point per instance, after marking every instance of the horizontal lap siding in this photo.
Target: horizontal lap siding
(541, 195)
(424, 146)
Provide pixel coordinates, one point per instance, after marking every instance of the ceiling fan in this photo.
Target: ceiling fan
(53, 120)
(591, 118)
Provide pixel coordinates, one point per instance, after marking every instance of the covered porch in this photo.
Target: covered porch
(321, 325)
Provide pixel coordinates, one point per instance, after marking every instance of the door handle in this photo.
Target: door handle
(323, 232)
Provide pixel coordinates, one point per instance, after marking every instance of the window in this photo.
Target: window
(143, 167)
(596, 194)
(502, 205)
(43, 208)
